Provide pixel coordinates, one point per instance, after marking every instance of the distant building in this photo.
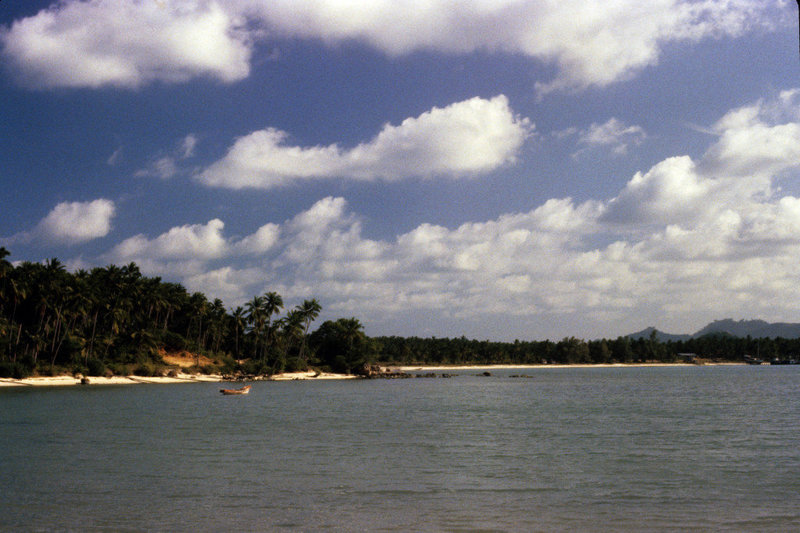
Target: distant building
(688, 357)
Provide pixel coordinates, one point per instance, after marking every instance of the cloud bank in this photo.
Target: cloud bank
(129, 43)
(464, 138)
(690, 238)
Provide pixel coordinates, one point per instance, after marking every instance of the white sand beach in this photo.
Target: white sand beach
(311, 374)
(298, 376)
(180, 378)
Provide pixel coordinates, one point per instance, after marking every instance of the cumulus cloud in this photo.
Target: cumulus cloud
(588, 44)
(197, 241)
(464, 138)
(129, 43)
(692, 238)
(71, 223)
(758, 139)
(670, 192)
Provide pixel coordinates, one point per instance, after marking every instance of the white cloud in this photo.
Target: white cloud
(670, 192)
(613, 134)
(261, 241)
(188, 145)
(198, 241)
(589, 43)
(691, 239)
(168, 166)
(127, 43)
(759, 139)
(464, 138)
(71, 223)
(225, 283)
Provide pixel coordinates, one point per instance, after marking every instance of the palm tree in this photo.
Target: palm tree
(351, 330)
(309, 310)
(292, 326)
(239, 322)
(5, 268)
(217, 318)
(255, 317)
(198, 305)
(272, 302)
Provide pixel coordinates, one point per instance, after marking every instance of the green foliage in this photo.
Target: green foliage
(342, 345)
(95, 367)
(173, 342)
(146, 370)
(114, 320)
(14, 370)
(119, 320)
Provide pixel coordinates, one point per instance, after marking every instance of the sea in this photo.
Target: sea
(688, 448)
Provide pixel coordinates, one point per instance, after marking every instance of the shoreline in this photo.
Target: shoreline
(426, 368)
(56, 381)
(61, 381)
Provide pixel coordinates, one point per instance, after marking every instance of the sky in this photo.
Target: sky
(495, 169)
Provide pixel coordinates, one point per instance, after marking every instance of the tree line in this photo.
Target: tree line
(571, 350)
(114, 320)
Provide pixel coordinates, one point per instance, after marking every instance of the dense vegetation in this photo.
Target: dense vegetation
(399, 350)
(114, 320)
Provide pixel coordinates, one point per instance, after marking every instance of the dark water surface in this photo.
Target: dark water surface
(583, 449)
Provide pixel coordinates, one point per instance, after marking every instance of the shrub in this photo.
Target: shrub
(119, 369)
(95, 367)
(209, 369)
(294, 364)
(173, 342)
(15, 370)
(145, 370)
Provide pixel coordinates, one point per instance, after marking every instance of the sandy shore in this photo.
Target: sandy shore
(297, 376)
(289, 376)
(180, 378)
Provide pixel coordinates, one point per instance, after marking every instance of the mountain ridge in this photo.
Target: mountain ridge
(735, 328)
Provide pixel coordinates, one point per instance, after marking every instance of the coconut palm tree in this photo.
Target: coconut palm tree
(239, 323)
(272, 303)
(292, 328)
(309, 310)
(255, 317)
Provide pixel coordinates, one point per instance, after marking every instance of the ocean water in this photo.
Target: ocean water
(578, 449)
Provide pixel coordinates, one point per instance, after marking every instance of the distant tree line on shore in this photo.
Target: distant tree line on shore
(114, 320)
(570, 350)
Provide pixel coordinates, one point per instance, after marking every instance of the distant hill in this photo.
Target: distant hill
(754, 328)
(660, 335)
(728, 326)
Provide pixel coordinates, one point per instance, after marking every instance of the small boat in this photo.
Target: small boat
(243, 390)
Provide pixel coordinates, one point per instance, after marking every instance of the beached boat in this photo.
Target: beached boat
(243, 390)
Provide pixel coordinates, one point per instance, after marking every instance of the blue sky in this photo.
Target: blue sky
(494, 169)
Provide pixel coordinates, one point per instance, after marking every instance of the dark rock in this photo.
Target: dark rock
(377, 372)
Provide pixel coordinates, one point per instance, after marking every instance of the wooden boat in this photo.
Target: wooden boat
(243, 390)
